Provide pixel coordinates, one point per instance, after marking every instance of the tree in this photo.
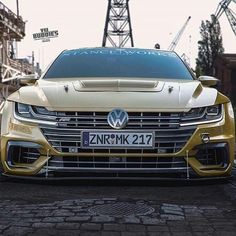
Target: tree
(210, 46)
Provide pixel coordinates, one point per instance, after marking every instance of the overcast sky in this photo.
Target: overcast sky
(81, 23)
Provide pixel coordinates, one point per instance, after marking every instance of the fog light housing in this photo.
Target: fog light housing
(20, 152)
(213, 154)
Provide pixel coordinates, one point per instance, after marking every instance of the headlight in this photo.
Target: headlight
(44, 111)
(23, 110)
(213, 111)
(33, 113)
(202, 115)
(194, 113)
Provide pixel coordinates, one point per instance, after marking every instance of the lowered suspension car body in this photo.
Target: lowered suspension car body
(117, 113)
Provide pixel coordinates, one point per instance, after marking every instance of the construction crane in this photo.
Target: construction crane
(178, 36)
(223, 7)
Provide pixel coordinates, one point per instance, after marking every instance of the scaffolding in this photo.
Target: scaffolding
(12, 30)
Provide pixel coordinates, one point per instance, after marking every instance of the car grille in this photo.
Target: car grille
(135, 163)
(169, 136)
(137, 120)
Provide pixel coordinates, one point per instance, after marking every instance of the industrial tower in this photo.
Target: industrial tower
(118, 30)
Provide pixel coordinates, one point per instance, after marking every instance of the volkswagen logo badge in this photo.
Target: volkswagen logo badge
(118, 118)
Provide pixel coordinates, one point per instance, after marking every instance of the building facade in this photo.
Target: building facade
(225, 71)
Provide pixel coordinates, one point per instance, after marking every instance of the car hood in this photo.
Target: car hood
(103, 94)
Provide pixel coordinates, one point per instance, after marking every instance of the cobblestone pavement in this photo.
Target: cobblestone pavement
(38, 209)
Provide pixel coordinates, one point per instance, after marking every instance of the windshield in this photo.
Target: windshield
(118, 62)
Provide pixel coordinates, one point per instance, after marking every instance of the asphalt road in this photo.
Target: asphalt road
(119, 209)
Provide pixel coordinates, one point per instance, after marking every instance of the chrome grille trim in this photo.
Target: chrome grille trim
(81, 120)
(138, 121)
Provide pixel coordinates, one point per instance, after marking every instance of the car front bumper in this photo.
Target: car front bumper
(26, 151)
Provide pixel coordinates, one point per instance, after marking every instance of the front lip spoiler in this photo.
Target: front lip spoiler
(49, 178)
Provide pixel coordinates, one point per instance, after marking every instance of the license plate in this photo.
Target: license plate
(138, 140)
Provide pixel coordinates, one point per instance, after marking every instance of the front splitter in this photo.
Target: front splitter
(66, 178)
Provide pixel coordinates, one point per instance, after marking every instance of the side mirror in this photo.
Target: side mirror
(28, 79)
(209, 81)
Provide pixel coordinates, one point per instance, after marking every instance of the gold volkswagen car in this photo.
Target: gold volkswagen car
(118, 113)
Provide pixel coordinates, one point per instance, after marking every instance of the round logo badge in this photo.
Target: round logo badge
(118, 118)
